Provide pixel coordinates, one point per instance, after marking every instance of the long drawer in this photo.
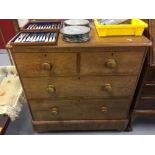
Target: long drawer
(107, 86)
(37, 64)
(48, 110)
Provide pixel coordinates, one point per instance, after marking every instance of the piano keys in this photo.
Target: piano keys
(35, 38)
(35, 26)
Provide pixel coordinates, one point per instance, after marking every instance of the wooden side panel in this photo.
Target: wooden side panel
(146, 94)
(152, 37)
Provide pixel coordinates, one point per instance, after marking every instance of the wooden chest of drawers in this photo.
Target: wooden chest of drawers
(145, 95)
(84, 86)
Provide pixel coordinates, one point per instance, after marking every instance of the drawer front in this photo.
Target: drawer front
(146, 104)
(148, 90)
(111, 62)
(107, 86)
(47, 110)
(150, 75)
(45, 64)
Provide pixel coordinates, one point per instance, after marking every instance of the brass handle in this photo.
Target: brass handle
(111, 63)
(51, 89)
(107, 87)
(104, 109)
(46, 66)
(54, 111)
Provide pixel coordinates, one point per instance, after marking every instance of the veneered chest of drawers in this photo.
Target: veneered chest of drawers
(84, 86)
(145, 94)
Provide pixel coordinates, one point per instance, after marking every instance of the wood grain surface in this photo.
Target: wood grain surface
(81, 86)
(82, 109)
(79, 125)
(69, 87)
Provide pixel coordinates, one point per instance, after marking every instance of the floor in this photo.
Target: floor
(22, 125)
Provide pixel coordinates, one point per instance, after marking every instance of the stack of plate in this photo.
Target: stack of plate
(76, 22)
(75, 31)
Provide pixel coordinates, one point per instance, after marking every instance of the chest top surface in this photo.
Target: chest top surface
(96, 41)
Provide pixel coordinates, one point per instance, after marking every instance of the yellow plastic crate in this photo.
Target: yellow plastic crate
(136, 28)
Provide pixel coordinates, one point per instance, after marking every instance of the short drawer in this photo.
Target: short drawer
(126, 62)
(48, 110)
(45, 64)
(60, 87)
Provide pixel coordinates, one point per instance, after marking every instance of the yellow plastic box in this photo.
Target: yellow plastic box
(136, 28)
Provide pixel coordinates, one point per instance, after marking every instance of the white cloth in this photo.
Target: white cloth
(11, 92)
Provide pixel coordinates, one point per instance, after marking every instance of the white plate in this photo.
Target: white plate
(76, 22)
(75, 30)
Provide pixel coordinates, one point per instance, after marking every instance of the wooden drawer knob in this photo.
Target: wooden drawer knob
(104, 109)
(46, 66)
(51, 89)
(111, 63)
(54, 111)
(107, 87)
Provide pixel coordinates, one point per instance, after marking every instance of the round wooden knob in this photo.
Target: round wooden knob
(111, 63)
(104, 109)
(46, 66)
(51, 89)
(107, 87)
(54, 111)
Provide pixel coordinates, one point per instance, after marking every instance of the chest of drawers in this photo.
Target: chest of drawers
(145, 96)
(84, 86)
